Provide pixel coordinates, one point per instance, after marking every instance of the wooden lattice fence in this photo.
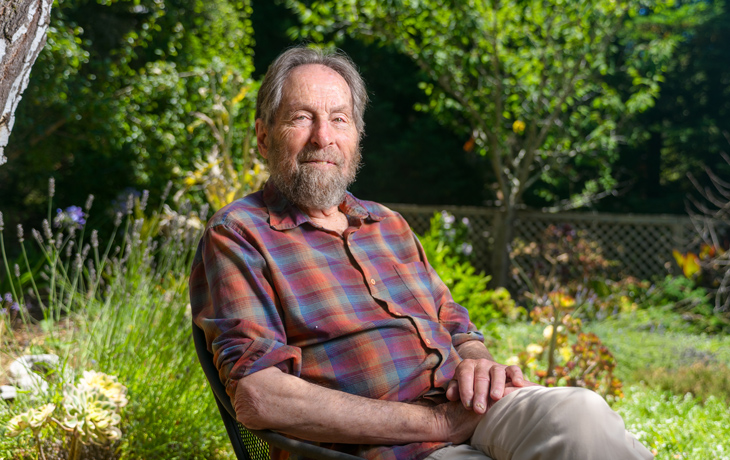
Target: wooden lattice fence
(641, 244)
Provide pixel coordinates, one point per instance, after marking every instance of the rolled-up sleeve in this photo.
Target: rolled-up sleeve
(451, 315)
(234, 303)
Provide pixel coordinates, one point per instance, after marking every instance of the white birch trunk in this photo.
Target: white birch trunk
(23, 25)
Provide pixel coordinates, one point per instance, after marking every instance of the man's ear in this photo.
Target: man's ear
(262, 138)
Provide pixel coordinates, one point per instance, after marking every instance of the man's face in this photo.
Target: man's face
(312, 147)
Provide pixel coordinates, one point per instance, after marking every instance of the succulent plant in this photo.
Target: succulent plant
(32, 418)
(107, 384)
(91, 415)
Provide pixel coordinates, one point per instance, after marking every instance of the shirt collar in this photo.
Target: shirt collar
(284, 215)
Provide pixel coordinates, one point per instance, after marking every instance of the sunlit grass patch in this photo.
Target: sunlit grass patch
(675, 426)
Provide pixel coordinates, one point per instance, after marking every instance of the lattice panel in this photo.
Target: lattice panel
(642, 250)
(642, 245)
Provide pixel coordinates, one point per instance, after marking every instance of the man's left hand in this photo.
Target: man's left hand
(478, 383)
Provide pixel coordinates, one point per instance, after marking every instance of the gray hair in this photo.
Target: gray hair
(269, 97)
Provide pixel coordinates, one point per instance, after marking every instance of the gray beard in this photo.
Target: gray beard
(309, 187)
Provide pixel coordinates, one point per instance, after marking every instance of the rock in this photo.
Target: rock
(21, 372)
(7, 392)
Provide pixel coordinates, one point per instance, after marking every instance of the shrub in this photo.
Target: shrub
(448, 251)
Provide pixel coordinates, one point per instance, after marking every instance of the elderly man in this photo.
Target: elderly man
(328, 324)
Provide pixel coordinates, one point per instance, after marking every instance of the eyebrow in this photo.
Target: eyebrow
(294, 106)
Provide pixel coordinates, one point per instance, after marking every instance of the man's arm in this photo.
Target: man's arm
(271, 399)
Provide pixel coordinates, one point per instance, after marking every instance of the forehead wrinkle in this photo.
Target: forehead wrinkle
(329, 91)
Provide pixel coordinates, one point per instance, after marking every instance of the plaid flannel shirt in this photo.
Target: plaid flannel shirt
(362, 312)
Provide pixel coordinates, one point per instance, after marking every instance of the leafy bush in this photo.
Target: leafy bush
(678, 303)
(565, 355)
(448, 250)
(122, 308)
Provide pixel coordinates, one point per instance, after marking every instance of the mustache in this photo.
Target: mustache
(315, 154)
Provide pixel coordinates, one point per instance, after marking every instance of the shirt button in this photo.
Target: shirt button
(372, 280)
(428, 342)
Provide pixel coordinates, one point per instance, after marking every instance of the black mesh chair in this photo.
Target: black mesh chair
(252, 444)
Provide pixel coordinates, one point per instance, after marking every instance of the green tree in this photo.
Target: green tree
(543, 87)
(113, 92)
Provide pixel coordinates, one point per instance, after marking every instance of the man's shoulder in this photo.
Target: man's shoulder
(243, 212)
(378, 210)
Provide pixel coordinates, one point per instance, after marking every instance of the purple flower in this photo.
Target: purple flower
(72, 217)
(124, 202)
(9, 307)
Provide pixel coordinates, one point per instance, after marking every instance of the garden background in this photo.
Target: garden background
(137, 125)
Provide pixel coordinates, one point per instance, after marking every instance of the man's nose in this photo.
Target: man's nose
(321, 133)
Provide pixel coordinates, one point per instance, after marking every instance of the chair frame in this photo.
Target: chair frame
(252, 444)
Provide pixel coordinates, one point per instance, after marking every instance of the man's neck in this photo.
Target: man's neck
(330, 219)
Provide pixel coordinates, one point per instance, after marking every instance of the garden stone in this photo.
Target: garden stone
(21, 371)
(7, 392)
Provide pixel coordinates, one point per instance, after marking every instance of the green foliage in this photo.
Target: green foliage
(224, 176)
(447, 250)
(112, 92)
(121, 306)
(685, 306)
(541, 86)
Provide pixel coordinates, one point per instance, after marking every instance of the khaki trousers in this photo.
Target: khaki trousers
(537, 423)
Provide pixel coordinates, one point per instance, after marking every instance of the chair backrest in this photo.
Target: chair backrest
(252, 444)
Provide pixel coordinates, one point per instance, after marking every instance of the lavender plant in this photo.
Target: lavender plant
(120, 306)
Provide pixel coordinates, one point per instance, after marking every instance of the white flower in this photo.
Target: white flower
(534, 349)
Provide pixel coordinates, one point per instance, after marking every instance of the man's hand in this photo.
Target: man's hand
(479, 383)
(455, 423)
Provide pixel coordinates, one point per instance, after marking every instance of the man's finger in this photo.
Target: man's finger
(481, 387)
(499, 378)
(452, 390)
(514, 373)
(465, 375)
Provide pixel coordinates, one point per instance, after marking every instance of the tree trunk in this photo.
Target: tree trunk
(503, 229)
(22, 37)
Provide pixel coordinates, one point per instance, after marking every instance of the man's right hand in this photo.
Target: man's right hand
(455, 423)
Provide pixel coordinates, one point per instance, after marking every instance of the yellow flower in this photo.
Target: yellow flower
(513, 361)
(518, 126)
(534, 349)
(566, 353)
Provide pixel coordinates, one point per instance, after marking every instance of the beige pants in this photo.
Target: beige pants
(537, 423)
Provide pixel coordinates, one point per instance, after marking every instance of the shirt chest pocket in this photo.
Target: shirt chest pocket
(409, 289)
